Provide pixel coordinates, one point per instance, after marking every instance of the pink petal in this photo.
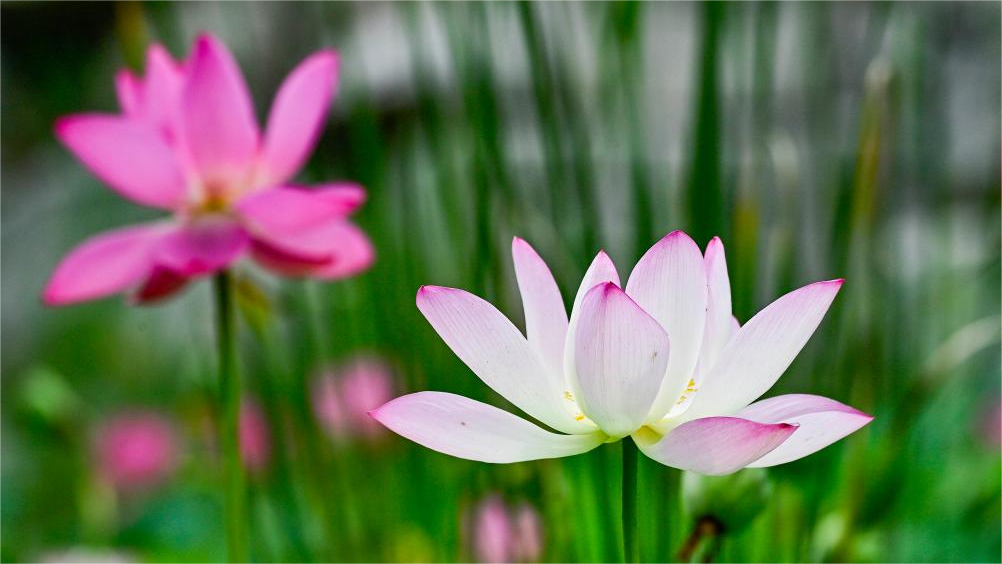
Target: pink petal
(162, 92)
(128, 89)
(714, 445)
(278, 212)
(601, 270)
(297, 116)
(354, 253)
(822, 421)
(759, 353)
(669, 282)
(464, 428)
(496, 351)
(202, 247)
(103, 265)
(545, 316)
(159, 285)
(129, 156)
(620, 357)
(719, 321)
(347, 196)
(217, 115)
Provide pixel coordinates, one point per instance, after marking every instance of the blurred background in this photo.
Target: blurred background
(819, 140)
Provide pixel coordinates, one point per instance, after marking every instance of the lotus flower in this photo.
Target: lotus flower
(342, 398)
(662, 361)
(187, 142)
(501, 534)
(255, 439)
(136, 451)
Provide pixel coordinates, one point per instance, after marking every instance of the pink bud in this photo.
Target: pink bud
(255, 440)
(990, 424)
(528, 534)
(136, 451)
(342, 398)
(492, 534)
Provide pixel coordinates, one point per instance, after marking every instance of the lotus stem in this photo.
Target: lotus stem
(631, 549)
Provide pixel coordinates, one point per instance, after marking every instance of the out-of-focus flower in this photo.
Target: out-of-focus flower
(343, 397)
(136, 451)
(606, 373)
(502, 535)
(990, 424)
(86, 555)
(255, 439)
(528, 534)
(187, 141)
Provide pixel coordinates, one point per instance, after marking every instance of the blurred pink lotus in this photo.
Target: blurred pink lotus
(502, 535)
(136, 451)
(343, 397)
(255, 438)
(989, 425)
(187, 141)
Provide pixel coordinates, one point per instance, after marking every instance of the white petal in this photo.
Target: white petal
(714, 445)
(465, 428)
(719, 321)
(545, 316)
(669, 282)
(620, 357)
(822, 422)
(761, 350)
(495, 350)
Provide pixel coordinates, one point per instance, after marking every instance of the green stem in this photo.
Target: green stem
(235, 512)
(631, 549)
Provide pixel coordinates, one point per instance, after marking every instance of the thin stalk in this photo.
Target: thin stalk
(631, 550)
(235, 512)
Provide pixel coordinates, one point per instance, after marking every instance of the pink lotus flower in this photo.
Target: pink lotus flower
(342, 398)
(136, 451)
(607, 373)
(502, 535)
(187, 142)
(255, 438)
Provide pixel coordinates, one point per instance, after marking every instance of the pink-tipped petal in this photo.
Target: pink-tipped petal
(495, 350)
(103, 265)
(465, 428)
(759, 353)
(714, 445)
(601, 270)
(128, 155)
(202, 247)
(822, 421)
(297, 116)
(217, 115)
(669, 282)
(620, 357)
(545, 316)
(719, 321)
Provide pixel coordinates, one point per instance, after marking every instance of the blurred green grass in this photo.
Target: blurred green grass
(820, 140)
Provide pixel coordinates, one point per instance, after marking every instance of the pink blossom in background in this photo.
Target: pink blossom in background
(504, 534)
(255, 438)
(136, 451)
(990, 424)
(342, 397)
(493, 534)
(528, 534)
(187, 142)
(660, 359)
